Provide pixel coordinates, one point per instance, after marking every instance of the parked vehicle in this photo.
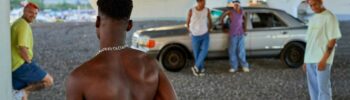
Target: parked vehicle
(270, 33)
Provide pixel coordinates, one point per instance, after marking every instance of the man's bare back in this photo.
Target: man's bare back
(124, 75)
(117, 72)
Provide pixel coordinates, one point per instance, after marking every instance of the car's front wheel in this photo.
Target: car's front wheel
(173, 58)
(293, 55)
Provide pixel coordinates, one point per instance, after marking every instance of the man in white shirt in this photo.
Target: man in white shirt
(199, 24)
(322, 34)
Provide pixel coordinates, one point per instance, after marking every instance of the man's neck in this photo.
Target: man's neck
(321, 10)
(25, 19)
(112, 34)
(236, 9)
(110, 44)
(199, 8)
(112, 39)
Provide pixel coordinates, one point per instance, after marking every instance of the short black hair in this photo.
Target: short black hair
(116, 9)
(236, 1)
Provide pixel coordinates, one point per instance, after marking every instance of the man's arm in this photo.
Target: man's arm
(189, 19)
(223, 17)
(333, 33)
(22, 42)
(244, 24)
(330, 48)
(24, 53)
(165, 89)
(73, 87)
(210, 23)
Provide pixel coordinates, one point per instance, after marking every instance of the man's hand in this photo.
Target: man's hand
(304, 68)
(222, 25)
(28, 61)
(189, 20)
(24, 53)
(322, 65)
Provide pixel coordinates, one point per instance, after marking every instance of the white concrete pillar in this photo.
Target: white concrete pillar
(5, 51)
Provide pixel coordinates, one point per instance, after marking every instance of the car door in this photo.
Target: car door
(218, 38)
(266, 31)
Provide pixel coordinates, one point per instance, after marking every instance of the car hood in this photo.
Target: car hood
(174, 30)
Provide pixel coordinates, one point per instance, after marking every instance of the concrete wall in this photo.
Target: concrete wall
(177, 9)
(170, 9)
(5, 51)
(339, 7)
(290, 6)
(158, 9)
(161, 9)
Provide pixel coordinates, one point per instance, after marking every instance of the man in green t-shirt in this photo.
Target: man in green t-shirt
(322, 34)
(27, 76)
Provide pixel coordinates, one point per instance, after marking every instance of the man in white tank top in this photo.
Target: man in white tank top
(199, 24)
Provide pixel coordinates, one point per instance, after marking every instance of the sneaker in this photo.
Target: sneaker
(196, 72)
(203, 70)
(18, 94)
(232, 70)
(246, 69)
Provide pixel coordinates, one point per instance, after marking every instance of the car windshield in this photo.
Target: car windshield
(216, 14)
(295, 21)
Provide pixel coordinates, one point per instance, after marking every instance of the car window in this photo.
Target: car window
(292, 21)
(266, 20)
(215, 15)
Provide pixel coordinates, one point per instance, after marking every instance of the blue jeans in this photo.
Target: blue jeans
(200, 45)
(236, 52)
(319, 83)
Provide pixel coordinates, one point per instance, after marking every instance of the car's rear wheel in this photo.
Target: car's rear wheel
(173, 58)
(293, 55)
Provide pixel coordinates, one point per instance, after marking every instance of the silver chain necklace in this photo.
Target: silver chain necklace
(117, 48)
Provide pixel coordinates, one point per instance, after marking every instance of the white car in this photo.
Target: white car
(271, 33)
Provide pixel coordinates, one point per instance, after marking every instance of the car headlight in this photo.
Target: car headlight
(143, 42)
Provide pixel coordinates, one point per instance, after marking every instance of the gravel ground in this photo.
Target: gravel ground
(60, 47)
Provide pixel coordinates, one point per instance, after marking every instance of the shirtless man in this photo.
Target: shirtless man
(117, 72)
